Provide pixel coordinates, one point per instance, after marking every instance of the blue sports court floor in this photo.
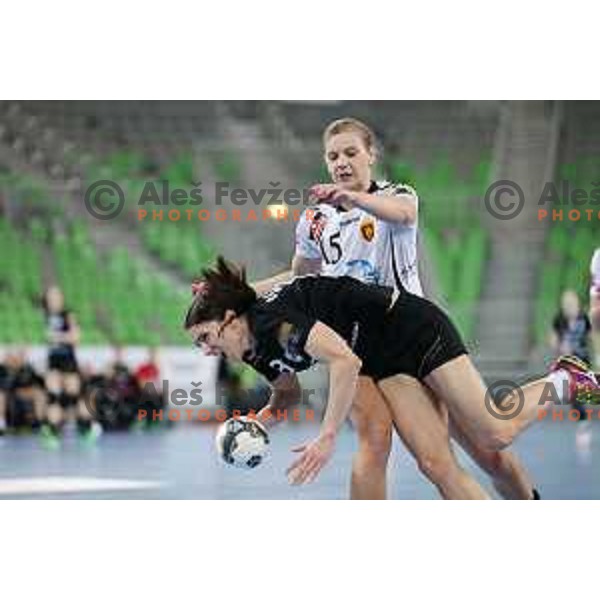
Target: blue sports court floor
(181, 463)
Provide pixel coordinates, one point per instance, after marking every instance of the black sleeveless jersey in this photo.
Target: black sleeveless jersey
(57, 323)
(281, 320)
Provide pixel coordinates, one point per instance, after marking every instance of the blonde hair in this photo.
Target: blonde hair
(351, 124)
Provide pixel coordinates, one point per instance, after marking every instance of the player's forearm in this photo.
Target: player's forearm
(266, 285)
(343, 378)
(401, 209)
(280, 399)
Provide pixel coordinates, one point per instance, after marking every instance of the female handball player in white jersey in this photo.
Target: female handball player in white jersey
(365, 329)
(370, 234)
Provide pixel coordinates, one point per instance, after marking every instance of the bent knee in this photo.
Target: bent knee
(494, 440)
(437, 467)
(374, 449)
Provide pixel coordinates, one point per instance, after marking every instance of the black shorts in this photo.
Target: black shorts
(63, 400)
(416, 339)
(62, 360)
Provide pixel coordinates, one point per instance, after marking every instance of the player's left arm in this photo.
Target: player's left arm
(399, 206)
(73, 334)
(324, 344)
(396, 208)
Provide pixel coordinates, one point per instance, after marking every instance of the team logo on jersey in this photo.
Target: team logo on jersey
(367, 229)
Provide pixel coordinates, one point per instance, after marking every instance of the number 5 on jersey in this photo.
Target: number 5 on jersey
(334, 254)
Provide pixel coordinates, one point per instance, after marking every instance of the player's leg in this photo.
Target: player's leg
(421, 424)
(3, 412)
(459, 384)
(373, 422)
(39, 402)
(54, 413)
(508, 475)
(75, 403)
(54, 416)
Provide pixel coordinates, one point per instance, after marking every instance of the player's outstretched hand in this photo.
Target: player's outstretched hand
(329, 193)
(314, 456)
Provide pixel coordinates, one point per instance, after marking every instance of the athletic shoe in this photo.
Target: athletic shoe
(91, 435)
(48, 439)
(137, 426)
(583, 384)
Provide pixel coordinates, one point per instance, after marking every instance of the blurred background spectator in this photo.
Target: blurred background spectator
(571, 328)
(572, 333)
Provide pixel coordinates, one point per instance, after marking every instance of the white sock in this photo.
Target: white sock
(2, 423)
(560, 380)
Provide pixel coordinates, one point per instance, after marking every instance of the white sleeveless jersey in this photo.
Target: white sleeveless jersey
(355, 243)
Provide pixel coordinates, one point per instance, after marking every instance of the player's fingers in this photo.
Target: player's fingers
(296, 473)
(314, 472)
(294, 477)
(306, 468)
(322, 191)
(296, 464)
(311, 471)
(300, 448)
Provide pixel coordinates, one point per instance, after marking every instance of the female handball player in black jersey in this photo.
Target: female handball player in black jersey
(362, 329)
(367, 229)
(63, 382)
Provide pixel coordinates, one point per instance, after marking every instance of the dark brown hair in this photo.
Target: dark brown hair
(225, 288)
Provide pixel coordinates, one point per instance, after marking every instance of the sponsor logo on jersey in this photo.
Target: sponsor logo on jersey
(288, 337)
(349, 222)
(362, 270)
(367, 229)
(317, 225)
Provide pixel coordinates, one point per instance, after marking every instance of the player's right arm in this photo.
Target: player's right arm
(306, 261)
(286, 391)
(324, 344)
(300, 266)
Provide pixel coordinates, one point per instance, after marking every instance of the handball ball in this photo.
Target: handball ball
(242, 442)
